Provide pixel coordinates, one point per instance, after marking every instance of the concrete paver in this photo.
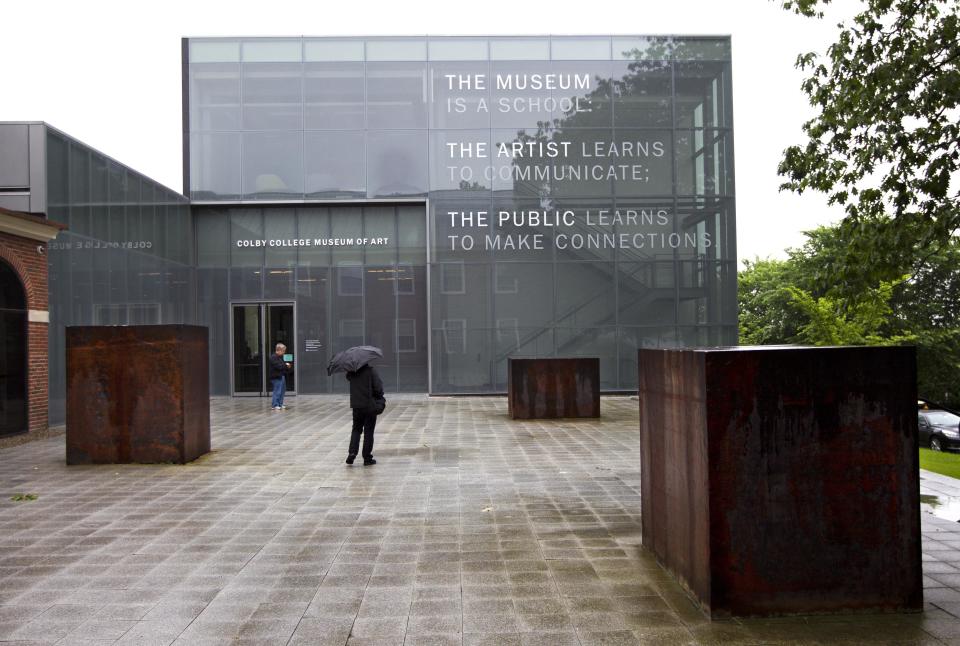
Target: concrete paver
(471, 529)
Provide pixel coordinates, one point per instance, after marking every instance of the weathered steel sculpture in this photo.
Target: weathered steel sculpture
(783, 480)
(553, 388)
(137, 394)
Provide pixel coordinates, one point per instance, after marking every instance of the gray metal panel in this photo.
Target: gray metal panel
(15, 201)
(38, 168)
(14, 156)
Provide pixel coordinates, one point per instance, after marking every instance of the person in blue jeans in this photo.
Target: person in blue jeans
(278, 376)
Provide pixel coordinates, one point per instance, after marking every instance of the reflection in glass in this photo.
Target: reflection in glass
(272, 98)
(248, 358)
(398, 163)
(127, 258)
(334, 164)
(643, 94)
(346, 223)
(333, 96)
(460, 160)
(703, 164)
(379, 227)
(313, 223)
(380, 319)
(246, 235)
(215, 166)
(658, 106)
(411, 234)
(703, 99)
(79, 188)
(461, 94)
(313, 344)
(278, 282)
(214, 96)
(396, 95)
(280, 232)
(272, 165)
(586, 295)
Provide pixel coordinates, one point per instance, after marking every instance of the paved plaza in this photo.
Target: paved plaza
(472, 529)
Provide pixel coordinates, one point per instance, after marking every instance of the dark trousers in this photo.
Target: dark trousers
(363, 423)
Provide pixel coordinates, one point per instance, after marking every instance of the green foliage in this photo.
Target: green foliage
(886, 140)
(24, 497)
(938, 366)
(780, 303)
(832, 321)
(794, 301)
(766, 313)
(884, 144)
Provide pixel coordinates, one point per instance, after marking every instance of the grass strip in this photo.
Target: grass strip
(941, 462)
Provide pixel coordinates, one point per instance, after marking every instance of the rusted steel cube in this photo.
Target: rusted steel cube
(783, 480)
(553, 388)
(137, 394)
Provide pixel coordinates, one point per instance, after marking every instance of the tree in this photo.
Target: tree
(778, 305)
(930, 302)
(831, 321)
(792, 301)
(765, 303)
(886, 141)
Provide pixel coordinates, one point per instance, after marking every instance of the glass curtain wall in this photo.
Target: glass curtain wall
(126, 257)
(345, 294)
(579, 190)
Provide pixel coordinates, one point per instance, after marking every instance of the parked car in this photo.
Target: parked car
(939, 429)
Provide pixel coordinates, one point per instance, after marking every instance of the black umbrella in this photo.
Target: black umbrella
(352, 359)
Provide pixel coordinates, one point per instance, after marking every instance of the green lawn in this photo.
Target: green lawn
(947, 464)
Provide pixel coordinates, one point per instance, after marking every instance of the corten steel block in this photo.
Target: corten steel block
(137, 394)
(553, 388)
(783, 480)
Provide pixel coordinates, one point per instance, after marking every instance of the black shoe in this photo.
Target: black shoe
(369, 462)
(351, 457)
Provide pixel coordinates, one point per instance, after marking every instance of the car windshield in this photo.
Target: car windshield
(942, 418)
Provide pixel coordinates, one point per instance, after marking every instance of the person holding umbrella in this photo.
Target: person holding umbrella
(366, 396)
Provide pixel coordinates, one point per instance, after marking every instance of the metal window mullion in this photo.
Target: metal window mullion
(676, 202)
(363, 274)
(429, 297)
(396, 295)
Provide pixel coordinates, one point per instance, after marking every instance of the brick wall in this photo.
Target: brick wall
(31, 266)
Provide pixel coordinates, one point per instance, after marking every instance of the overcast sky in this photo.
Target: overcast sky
(108, 73)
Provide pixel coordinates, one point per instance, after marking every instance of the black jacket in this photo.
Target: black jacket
(278, 367)
(365, 386)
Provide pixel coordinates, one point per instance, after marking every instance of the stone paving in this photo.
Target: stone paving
(472, 529)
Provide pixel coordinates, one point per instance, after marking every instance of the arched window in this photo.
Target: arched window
(13, 353)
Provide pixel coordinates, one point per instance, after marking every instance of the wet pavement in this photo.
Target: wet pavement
(940, 496)
(472, 529)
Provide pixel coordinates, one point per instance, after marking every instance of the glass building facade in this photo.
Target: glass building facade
(460, 201)
(454, 201)
(127, 256)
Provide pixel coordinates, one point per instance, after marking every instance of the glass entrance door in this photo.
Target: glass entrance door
(248, 350)
(279, 327)
(257, 329)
